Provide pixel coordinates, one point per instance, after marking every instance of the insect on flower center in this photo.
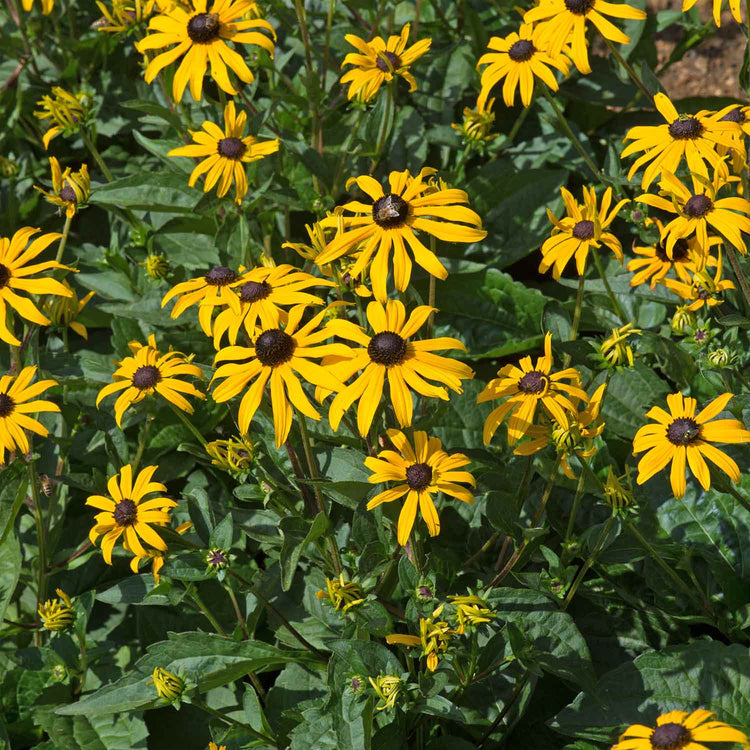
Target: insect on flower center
(521, 51)
(387, 348)
(203, 28)
(579, 7)
(274, 347)
(683, 431)
(6, 405)
(68, 194)
(4, 275)
(254, 291)
(220, 276)
(533, 383)
(685, 128)
(697, 206)
(125, 513)
(390, 211)
(388, 61)
(583, 230)
(418, 476)
(670, 736)
(679, 251)
(231, 148)
(146, 377)
(734, 115)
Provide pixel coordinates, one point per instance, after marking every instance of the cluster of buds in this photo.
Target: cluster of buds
(471, 612)
(342, 595)
(387, 688)
(434, 637)
(475, 129)
(67, 112)
(618, 497)
(56, 614)
(234, 455)
(124, 15)
(64, 311)
(615, 350)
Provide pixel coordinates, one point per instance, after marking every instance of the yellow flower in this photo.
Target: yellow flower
(477, 123)
(14, 270)
(168, 686)
(423, 471)
(703, 288)
(518, 58)
(126, 514)
(583, 228)
(527, 386)
(389, 221)
(618, 497)
(278, 355)
(233, 455)
(679, 436)
(342, 594)
(149, 372)
(734, 6)
(67, 111)
(47, 6)
(214, 746)
(615, 350)
(124, 14)
(63, 311)
(69, 189)
(377, 61)
(471, 611)
(387, 688)
(565, 22)
(56, 614)
(434, 637)
(676, 730)
(226, 152)
(390, 353)
(201, 36)
(693, 136)
(15, 406)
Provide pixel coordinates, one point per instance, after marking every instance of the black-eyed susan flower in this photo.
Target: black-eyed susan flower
(471, 612)
(422, 470)
(615, 350)
(17, 401)
(235, 455)
(377, 62)
(341, 594)
(201, 37)
(64, 311)
(694, 137)
(150, 372)
(14, 273)
(738, 152)
(168, 686)
(225, 153)
(519, 58)
(684, 438)
(126, 514)
(69, 188)
(263, 294)
(527, 386)
(583, 228)
(678, 730)
(434, 637)
(56, 614)
(477, 123)
(387, 688)
(408, 365)
(565, 22)
(618, 491)
(734, 6)
(278, 356)
(124, 14)
(704, 290)
(68, 112)
(389, 221)
(47, 6)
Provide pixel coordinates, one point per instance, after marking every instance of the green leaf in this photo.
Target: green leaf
(13, 485)
(10, 569)
(297, 534)
(97, 732)
(155, 192)
(189, 241)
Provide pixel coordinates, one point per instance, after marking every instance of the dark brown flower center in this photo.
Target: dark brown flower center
(146, 377)
(670, 737)
(254, 291)
(390, 211)
(387, 348)
(274, 347)
(220, 276)
(231, 148)
(682, 431)
(204, 27)
(583, 230)
(4, 275)
(735, 115)
(700, 336)
(6, 405)
(216, 557)
(521, 51)
(388, 61)
(679, 251)
(533, 383)
(697, 206)
(418, 476)
(125, 513)
(68, 194)
(579, 7)
(686, 128)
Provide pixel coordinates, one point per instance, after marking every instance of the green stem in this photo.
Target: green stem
(183, 418)
(97, 156)
(83, 663)
(516, 127)
(578, 308)
(384, 130)
(739, 274)
(431, 293)
(612, 299)
(229, 720)
(345, 151)
(237, 611)
(481, 550)
(736, 495)
(576, 506)
(41, 534)
(207, 612)
(327, 43)
(142, 443)
(513, 698)
(628, 68)
(590, 560)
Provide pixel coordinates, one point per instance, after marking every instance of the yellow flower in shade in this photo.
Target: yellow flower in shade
(168, 686)
(148, 372)
(477, 123)
(341, 594)
(738, 151)
(56, 614)
(679, 436)
(583, 228)
(565, 22)
(471, 611)
(618, 497)
(693, 136)
(125, 513)
(263, 291)
(519, 58)
(201, 37)
(47, 6)
(234, 455)
(226, 152)
(526, 386)
(734, 6)
(387, 688)
(14, 273)
(156, 556)
(17, 401)
(377, 61)
(124, 14)
(69, 189)
(278, 356)
(214, 746)
(67, 112)
(390, 353)
(389, 221)
(615, 349)
(63, 311)
(573, 437)
(678, 730)
(422, 471)
(434, 637)
(704, 289)
(698, 209)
